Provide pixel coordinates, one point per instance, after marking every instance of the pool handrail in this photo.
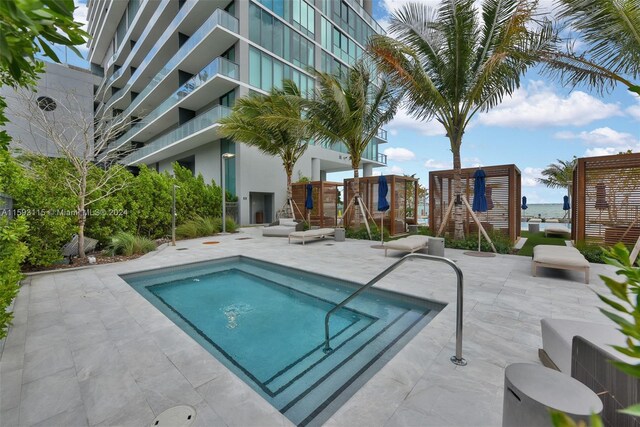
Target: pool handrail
(457, 358)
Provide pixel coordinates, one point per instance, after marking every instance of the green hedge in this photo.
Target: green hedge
(142, 207)
(12, 254)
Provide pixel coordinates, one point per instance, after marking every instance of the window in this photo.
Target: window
(46, 104)
(254, 67)
(267, 72)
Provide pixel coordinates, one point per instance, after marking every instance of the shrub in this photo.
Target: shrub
(500, 241)
(127, 244)
(231, 225)
(593, 253)
(203, 227)
(12, 253)
(361, 233)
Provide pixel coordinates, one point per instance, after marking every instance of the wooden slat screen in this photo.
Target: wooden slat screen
(607, 199)
(503, 199)
(325, 202)
(402, 205)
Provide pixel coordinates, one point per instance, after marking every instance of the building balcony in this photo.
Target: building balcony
(370, 153)
(218, 33)
(194, 133)
(213, 81)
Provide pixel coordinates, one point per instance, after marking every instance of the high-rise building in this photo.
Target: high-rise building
(177, 66)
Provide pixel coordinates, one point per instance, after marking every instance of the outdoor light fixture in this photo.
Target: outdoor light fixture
(225, 156)
(173, 217)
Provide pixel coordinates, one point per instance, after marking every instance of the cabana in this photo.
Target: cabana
(503, 200)
(402, 197)
(606, 200)
(325, 197)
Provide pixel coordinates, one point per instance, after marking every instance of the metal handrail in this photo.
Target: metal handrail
(457, 358)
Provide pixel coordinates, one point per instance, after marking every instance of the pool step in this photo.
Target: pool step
(316, 388)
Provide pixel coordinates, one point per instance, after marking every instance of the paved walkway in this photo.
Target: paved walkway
(86, 349)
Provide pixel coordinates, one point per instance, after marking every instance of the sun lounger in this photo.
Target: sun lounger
(560, 257)
(583, 350)
(557, 229)
(319, 233)
(283, 229)
(407, 244)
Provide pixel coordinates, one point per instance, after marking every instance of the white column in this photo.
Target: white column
(315, 169)
(367, 169)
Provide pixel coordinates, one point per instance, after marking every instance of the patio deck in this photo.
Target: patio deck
(86, 349)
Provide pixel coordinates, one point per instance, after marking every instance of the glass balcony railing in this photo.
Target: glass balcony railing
(365, 15)
(218, 18)
(382, 134)
(382, 158)
(370, 153)
(219, 66)
(197, 124)
(106, 83)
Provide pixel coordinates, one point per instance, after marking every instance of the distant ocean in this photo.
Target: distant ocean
(543, 210)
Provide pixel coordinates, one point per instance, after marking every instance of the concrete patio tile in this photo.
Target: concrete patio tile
(124, 329)
(12, 358)
(49, 396)
(46, 337)
(17, 335)
(167, 390)
(135, 414)
(89, 334)
(197, 365)
(11, 388)
(410, 417)
(238, 405)
(172, 339)
(144, 358)
(43, 320)
(74, 417)
(46, 361)
(97, 359)
(207, 417)
(46, 306)
(10, 417)
(107, 393)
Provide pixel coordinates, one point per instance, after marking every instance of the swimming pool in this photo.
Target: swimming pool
(265, 322)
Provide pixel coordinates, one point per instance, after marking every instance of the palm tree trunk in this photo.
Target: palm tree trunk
(458, 231)
(289, 195)
(356, 195)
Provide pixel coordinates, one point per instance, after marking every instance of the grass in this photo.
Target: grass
(534, 239)
(128, 244)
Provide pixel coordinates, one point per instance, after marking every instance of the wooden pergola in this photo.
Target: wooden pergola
(606, 200)
(503, 199)
(325, 202)
(402, 198)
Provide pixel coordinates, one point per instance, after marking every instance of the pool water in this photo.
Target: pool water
(266, 323)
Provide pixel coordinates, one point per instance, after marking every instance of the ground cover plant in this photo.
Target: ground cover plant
(127, 244)
(538, 238)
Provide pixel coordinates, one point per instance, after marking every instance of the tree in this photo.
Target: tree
(560, 175)
(610, 31)
(351, 111)
(28, 27)
(450, 64)
(77, 136)
(272, 123)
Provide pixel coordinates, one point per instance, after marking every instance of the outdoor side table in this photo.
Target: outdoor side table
(530, 391)
(534, 228)
(339, 235)
(436, 246)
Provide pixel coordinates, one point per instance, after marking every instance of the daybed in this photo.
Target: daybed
(583, 350)
(556, 229)
(318, 233)
(283, 229)
(407, 244)
(560, 257)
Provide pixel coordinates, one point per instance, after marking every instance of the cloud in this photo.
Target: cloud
(395, 170)
(81, 11)
(601, 136)
(403, 120)
(399, 154)
(530, 176)
(435, 164)
(634, 110)
(538, 106)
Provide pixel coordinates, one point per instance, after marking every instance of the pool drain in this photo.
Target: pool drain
(178, 416)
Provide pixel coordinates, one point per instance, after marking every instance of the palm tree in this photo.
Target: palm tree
(450, 64)
(351, 111)
(256, 120)
(560, 175)
(611, 31)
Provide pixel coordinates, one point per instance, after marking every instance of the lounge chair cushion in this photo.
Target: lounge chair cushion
(557, 339)
(560, 255)
(556, 229)
(313, 233)
(407, 244)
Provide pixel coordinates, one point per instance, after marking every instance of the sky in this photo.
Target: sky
(539, 124)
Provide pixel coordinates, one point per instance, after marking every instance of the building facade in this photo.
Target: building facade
(177, 67)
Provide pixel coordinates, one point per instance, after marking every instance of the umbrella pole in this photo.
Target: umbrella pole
(478, 239)
(382, 229)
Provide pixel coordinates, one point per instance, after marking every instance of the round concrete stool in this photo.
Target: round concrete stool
(530, 391)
